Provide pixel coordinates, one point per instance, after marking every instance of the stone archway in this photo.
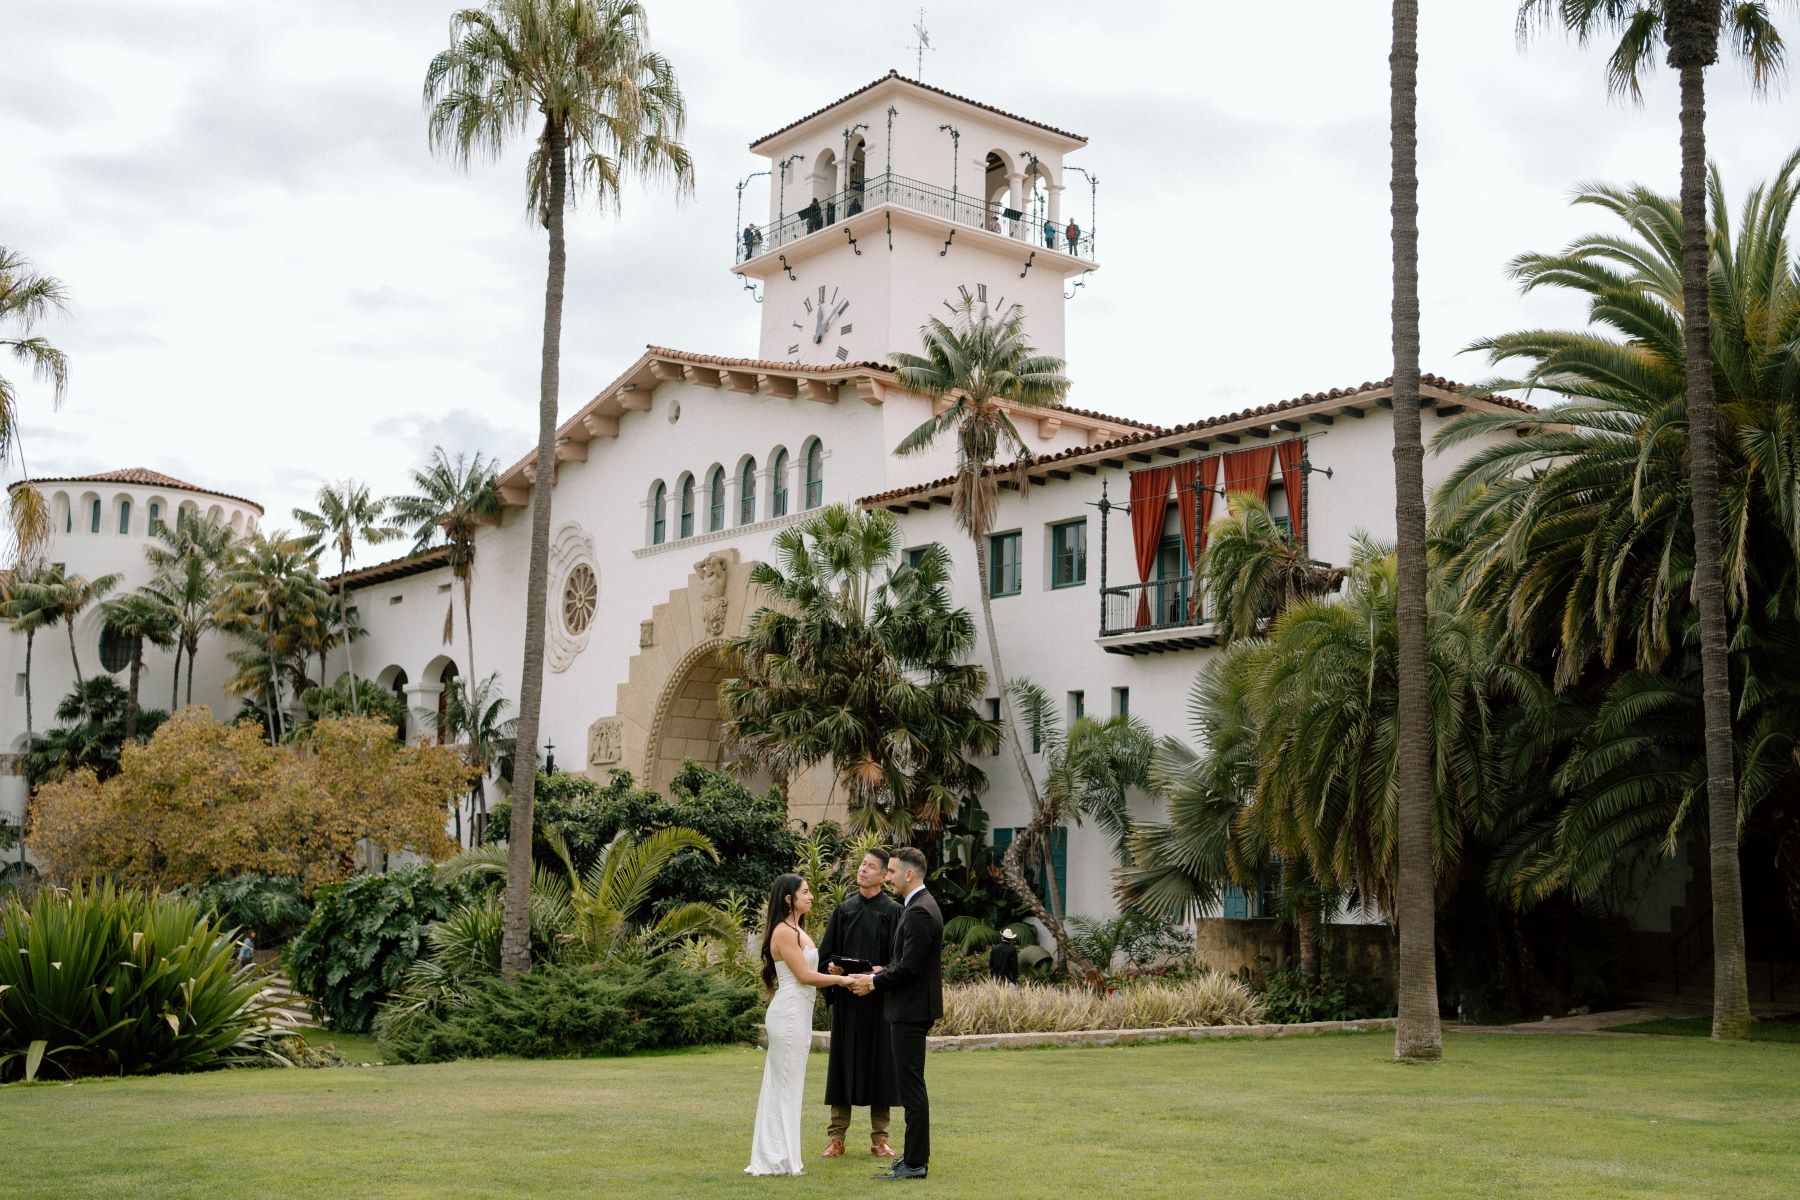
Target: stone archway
(668, 707)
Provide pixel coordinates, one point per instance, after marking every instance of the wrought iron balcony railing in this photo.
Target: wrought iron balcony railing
(1031, 228)
(1147, 607)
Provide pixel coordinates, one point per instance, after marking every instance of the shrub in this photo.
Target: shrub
(994, 1007)
(362, 938)
(1333, 998)
(559, 1012)
(99, 981)
(201, 800)
(274, 910)
(748, 829)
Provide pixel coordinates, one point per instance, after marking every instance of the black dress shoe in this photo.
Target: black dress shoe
(901, 1171)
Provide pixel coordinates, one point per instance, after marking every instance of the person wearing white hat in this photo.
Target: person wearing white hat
(1003, 959)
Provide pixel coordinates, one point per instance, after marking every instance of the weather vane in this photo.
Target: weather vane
(921, 43)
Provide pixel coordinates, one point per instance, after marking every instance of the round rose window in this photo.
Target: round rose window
(580, 594)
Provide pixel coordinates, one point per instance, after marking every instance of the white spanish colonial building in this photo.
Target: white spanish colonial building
(674, 477)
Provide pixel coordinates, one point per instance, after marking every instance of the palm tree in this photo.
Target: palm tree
(475, 719)
(1089, 769)
(189, 558)
(271, 598)
(862, 666)
(346, 514)
(1690, 30)
(1301, 750)
(1417, 1035)
(69, 596)
(1577, 536)
(140, 617)
(986, 367)
(609, 108)
(26, 298)
(455, 497)
(27, 606)
(1252, 569)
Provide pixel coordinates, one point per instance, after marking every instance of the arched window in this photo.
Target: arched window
(115, 649)
(659, 514)
(747, 492)
(155, 518)
(778, 485)
(94, 516)
(815, 474)
(715, 501)
(124, 516)
(687, 507)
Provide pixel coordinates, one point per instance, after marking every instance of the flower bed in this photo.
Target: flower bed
(990, 1007)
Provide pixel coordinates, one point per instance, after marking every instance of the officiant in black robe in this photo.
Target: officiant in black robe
(860, 1073)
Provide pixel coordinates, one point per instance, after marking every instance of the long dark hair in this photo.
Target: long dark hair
(781, 907)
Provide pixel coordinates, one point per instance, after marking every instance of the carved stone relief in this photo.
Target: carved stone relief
(606, 741)
(713, 570)
(646, 634)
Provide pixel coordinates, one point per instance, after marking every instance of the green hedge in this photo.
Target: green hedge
(98, 981)
(560, 1012)
(363, 936)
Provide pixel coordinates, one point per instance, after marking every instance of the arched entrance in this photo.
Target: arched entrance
(686, 724)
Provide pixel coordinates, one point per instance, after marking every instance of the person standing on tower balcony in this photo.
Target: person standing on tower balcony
(1073, 233)
(1049, 234)
(859, 937)
(752, 241)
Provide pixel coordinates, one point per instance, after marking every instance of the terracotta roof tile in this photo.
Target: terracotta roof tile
(1156, 435)
(1000, 112)
(394, 568)
(143, 477)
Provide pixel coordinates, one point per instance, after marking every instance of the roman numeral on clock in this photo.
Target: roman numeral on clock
(844, 330)
(794, 349)
(843, 353)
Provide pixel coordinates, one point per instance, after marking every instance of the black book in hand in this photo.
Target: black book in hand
(853, 966)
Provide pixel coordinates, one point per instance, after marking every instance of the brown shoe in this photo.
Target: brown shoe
(880, 1148)
(834, 1148)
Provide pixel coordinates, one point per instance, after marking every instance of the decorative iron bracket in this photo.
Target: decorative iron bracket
(853, 244)
(785, 267)
(947, 242)
(1028, 263)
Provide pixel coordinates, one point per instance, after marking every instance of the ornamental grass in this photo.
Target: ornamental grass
(993, 1007)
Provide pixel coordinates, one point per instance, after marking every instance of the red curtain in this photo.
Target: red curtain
(1184, 475)
(1248, 471)
(1209, 480)
(1289, 454)
(1149, 505)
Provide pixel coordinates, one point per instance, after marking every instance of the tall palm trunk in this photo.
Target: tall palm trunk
(193, 650)
(30, 637)
(344, 624)
(1417, 1035)
(80, 683)
(1692, 32)
(131, 693)
(175, 684)
(1014, 861)
(515, 945)
(468, 579)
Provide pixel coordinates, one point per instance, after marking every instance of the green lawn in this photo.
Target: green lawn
(1327, 1117)
(1769, 1029)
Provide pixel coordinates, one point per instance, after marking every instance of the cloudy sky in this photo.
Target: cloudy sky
(275, 282)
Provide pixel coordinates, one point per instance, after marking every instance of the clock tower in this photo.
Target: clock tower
(900, 199)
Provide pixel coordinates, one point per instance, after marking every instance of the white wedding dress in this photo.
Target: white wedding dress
(775, 1145)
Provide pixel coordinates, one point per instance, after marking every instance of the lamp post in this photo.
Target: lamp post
(781, 189)
(955, 159)
(1093, 201)
(550, 758)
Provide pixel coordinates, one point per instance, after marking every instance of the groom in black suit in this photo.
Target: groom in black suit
(912, 991)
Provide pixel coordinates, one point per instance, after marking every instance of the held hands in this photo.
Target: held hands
(861, 985)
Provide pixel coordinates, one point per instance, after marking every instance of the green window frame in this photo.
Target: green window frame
(1004, 576)
(715, 501)
(687, 507)
(1034, 864)
(1068, 554)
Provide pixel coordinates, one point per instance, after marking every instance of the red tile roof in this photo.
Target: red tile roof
(999, 112)
(394, 568)
(1155, 435)
(142, 477)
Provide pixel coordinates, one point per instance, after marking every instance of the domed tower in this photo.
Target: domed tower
(101, 525)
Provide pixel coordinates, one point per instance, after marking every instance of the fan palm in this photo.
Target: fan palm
(1690, 30)
(347, 514)
(603, 107)
(1252, 569)
(139, 618)
(27, 605)
(862, 666)
(455, 497)
(986, 367)
(189, 558)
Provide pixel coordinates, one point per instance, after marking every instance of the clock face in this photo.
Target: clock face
(820, 325)
(977, 302)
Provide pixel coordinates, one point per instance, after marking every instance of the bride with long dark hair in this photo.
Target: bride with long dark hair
(790, 971)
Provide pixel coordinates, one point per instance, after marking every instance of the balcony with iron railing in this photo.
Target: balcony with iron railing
(1031, 227)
